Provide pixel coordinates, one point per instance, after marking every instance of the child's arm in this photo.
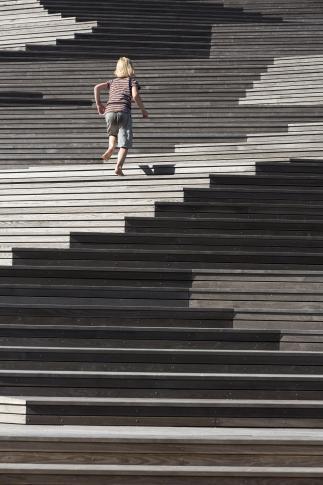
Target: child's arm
(138, 101)
(97, 89)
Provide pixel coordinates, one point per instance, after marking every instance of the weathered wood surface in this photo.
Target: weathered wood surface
(110, 331)
(28, 22)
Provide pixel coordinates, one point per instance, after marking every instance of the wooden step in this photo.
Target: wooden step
(161, 384)
(154, 337)
(145, 474)
(158, 412)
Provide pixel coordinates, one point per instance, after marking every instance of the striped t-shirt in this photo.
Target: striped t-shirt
(120, 93)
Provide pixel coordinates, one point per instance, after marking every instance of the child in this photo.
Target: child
(122, 89)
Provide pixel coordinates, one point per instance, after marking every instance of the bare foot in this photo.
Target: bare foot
(118, 171)
(108, 154)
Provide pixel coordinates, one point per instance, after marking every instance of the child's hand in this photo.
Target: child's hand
(100, 108)
(145, 114)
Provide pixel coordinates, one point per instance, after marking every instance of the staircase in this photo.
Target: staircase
(289, 81)
(164, 327)
(196, 62)
(52, 105)
(216, 325)
(26, 21)
(296, 11)
(155, 457)
(149, 30)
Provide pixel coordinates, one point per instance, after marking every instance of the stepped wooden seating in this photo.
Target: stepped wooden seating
(290, 11)
(299, 139)
(125, 342)
(41, 206)
(266, 41)
(284, 245)
(68, 99)
(33, 200)
(133, 24)
(154, 457)
(295, 81)
(52, 100)
(26, 21)
(172, 321)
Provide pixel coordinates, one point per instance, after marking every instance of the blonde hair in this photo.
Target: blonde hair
(124, 68)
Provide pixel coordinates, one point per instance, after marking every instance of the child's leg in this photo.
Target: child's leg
(111, 119)
(123, 152)
(124, 140)
(112, 144)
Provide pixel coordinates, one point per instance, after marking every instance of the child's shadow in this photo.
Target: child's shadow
(156, 169)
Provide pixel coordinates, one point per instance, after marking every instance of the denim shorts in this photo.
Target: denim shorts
(119, 124)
